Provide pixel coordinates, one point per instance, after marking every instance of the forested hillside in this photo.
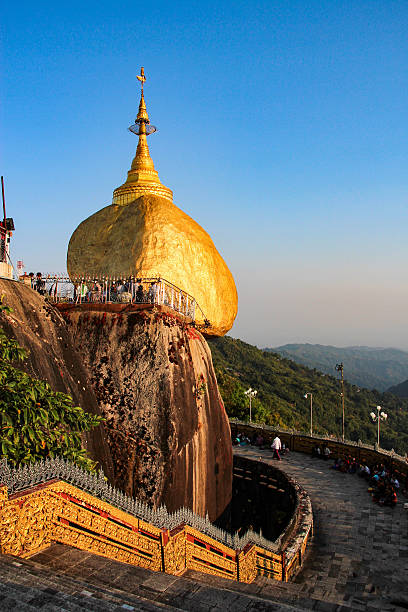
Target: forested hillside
(400, 390)
(281, 386)
(372, 368)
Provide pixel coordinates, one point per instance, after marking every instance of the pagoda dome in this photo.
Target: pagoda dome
(142, 234)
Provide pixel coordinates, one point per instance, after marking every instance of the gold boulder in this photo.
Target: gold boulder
(151, 237)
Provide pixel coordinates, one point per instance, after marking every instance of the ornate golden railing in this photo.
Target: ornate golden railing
(56, 511)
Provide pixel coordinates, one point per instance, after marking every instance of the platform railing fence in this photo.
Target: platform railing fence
(120, 289)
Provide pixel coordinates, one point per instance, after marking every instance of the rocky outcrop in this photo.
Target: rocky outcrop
(38, 327)
(166, 424)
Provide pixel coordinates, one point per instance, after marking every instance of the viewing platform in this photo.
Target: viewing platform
(117, 294)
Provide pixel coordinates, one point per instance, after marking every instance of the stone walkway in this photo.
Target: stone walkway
(358, 560)
(359, 556)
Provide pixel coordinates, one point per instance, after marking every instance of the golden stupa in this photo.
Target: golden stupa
(143, 234)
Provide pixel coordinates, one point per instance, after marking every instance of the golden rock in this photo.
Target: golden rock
(143, 234)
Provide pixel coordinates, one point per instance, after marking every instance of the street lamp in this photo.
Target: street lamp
(380, 416)
(311, 410)
(340, 368)
(250, 393)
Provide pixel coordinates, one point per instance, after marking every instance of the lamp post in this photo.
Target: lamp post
(250, 393)
(311, 410)
(340, 368)
(376, 418)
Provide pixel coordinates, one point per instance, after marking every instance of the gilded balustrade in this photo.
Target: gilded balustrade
(33, 518)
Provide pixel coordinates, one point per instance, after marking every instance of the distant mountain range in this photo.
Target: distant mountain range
(281, 385)
(372, 368)
(400, 390)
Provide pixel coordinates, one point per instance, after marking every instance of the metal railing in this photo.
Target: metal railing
(120, 289)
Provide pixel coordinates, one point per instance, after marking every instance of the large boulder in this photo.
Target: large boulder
(151, 237)
(166, 424)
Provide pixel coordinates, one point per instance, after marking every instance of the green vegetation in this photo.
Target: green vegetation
(372, 368)
(400, 390)
(281, 385)
(37, 422)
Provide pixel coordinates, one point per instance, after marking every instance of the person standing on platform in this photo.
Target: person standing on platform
(276, 447)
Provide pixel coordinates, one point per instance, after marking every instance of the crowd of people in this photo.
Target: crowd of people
(127, 290)
(37, 282)
(119, 291)
(383, 483)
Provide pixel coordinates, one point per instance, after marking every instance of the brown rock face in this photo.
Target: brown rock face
(167, 428)
(38, 327)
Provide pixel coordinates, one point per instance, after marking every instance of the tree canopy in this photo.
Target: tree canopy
(37, 422)
(282, 384)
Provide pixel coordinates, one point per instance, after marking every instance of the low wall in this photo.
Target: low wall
(304, 443)
(295, 534)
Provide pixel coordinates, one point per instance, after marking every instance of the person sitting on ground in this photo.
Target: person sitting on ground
(390, 498)
(276, 447)
(259, 441)
(285, 449)
(345, 465)
(336, 464)
(353, 466)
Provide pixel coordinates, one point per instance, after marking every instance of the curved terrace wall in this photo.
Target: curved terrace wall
(303, 443)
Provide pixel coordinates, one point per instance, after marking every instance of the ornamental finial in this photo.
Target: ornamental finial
(141, 77)
(142, 176)
(142, 116)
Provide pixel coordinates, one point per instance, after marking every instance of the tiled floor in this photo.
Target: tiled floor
(359, 556)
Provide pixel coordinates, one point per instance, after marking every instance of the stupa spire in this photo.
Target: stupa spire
(142, 176)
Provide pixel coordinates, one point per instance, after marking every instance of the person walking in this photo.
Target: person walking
(276, 447)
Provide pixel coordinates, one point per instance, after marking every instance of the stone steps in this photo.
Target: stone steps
(28, 585)
(76, 578)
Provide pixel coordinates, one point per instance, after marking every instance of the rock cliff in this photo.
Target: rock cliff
(166, 425)
(38, 327)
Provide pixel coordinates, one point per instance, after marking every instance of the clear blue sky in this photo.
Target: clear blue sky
(283, 131)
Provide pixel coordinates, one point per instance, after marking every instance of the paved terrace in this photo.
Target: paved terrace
(358, 561)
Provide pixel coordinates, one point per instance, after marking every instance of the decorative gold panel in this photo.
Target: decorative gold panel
(200, 557)
(247, 565)
(25, 524)
(60, 512)
(175, 553)
(269, 564)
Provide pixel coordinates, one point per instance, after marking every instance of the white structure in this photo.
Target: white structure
(250, 393)
(377, 418)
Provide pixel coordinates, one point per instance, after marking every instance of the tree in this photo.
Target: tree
(37, 422)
